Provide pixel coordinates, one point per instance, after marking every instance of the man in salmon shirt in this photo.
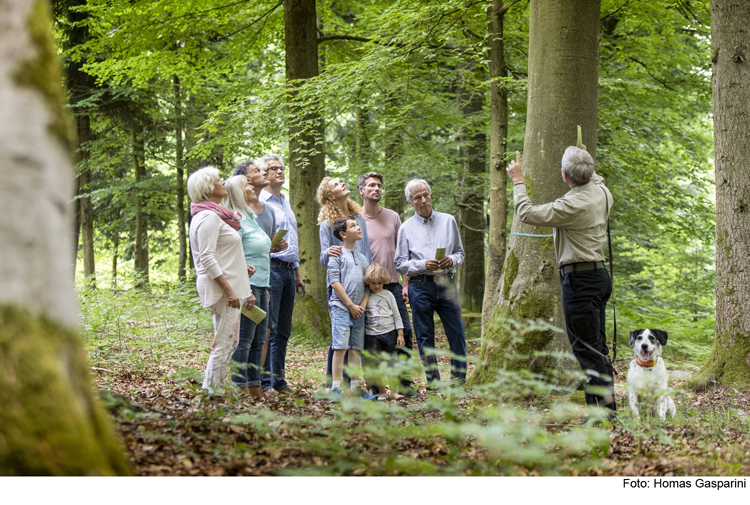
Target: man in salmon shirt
(382, 231)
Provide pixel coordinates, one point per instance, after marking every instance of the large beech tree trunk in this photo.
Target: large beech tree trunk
(471, 220)
(306, 156)
(50, 422)
(563, 66)
(498, 140)
(730, 41)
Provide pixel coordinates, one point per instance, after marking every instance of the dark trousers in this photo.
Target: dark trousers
(281, 307)
(426, 298)
(584, 296)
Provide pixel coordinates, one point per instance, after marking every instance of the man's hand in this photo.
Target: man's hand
(299, 284)
(250, 302)
(281, 245)
(432, 265)
(405, 294)
(446, 262)
(250, 270)
(334, 250)
(400, 340)
(515, 170)
(355, 311)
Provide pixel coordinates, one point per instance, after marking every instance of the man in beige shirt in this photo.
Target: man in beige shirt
(579, 223)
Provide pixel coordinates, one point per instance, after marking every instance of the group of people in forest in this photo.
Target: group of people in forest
(374, 267)
(243, 235)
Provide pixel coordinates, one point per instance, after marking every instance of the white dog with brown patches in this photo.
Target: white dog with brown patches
(647, 375)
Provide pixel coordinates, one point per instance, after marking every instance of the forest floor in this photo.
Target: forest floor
(169, 427)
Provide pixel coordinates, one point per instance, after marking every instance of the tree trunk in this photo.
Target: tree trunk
(80, 85)
(393, 186)
(306, 156)
(563, 66)
(140, 263)
(471, 221)
(730, 41)
(498, 140)
(50, 421)
(180, 182)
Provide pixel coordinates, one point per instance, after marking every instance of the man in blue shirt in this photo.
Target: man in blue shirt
(285, 278)
(431, 285)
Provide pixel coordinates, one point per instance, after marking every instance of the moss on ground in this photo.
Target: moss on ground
(50, 422)
(311, 320)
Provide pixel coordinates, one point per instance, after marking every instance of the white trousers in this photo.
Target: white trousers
(226, 337)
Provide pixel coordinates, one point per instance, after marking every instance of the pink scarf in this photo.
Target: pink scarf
(229, 217)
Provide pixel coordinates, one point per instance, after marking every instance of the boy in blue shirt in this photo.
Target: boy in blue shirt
(346, 277)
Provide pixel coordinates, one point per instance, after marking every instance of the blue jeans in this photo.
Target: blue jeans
(280, 321)
(426, 298)
(249, 350)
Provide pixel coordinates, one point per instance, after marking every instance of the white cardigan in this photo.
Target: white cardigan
(217, 250)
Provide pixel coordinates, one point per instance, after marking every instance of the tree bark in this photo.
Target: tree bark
(471, 221)
(563, 67)
(730, 41)
(50, 422)
(497, 238)
(180, 180)
(306, 156)
(393, 186)
(140, 263)
(80, 85)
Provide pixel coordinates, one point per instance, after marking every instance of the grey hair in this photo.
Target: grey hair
(244, 166)
(200, 184)
(235, 199)
(413, 184)
(578, 164)
(268, 157)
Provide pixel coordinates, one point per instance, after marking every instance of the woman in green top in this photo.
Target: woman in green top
(257, 246)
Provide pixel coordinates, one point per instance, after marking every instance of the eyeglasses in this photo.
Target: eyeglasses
(276, 169)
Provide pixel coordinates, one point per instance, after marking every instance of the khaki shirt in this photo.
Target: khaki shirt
(578, 220)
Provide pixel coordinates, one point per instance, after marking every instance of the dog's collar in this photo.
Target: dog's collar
(647, 364)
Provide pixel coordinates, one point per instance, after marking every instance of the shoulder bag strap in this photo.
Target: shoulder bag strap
(612, 279)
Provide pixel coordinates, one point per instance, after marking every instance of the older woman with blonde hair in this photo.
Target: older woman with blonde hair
(333, 197)
(220, 268)
(257, 246)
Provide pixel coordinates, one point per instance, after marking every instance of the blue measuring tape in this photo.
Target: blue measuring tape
(529, 234)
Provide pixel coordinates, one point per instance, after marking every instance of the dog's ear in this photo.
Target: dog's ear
(634, 334)
(661, 336)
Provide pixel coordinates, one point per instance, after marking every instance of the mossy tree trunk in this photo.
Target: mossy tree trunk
(50, 422)
(80, 85)
(306, 156)
(471, 220)
(498, 206)
(730, 41)
(563, 66)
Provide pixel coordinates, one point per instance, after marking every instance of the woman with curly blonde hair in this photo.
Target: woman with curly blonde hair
(333, 197)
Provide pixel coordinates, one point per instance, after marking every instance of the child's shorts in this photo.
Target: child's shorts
(346, 333)
(385, 342)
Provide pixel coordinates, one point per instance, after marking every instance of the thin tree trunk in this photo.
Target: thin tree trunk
(730, 41)
(394, 196)
(497, 238)
(180, 181)
(471, 219)
(50, 421)
(563, 67)
(115, 250)
(306, 156)
(80, 85)
(140, 264)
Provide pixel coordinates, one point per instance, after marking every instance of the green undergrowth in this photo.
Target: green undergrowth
(521, 422)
